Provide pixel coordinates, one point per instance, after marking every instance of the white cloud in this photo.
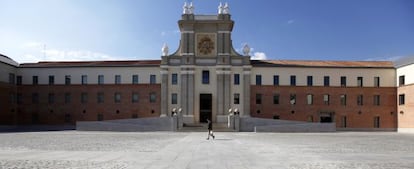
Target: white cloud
(33, 45)
(259, 56)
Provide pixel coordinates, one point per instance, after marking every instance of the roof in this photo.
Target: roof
(120, 63)
(322, 64)
(7, 60)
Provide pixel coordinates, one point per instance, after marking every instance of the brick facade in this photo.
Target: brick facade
(60, 111)
(357, 116)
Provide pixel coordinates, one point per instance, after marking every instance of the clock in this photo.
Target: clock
(205, 44)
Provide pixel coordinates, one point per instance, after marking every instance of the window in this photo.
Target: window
(84, 79)
(376, 81)
(174, 98)
(360, 100)
(377, 100)
(51, 80)
(343, 122)
(292, 100)
(67, 97)
(35, 98)
(12, 78)
(153, 97)
(276, 80)
(343, 99)
(309, 99)
(51, 98)
(401, 80)
(153, 79)
(117, 79)
(19, 80)
(276, 98)
(135, 79)
(236, 98)
(100, 117)
(174, 79)
(67, 80)
(206, 77)
(293, 80)
(376, 122)
(401, 99)
(343, 81)
(135, 97)
(236, 79)
(12, 98)
(19, 98)
(100, 79)
(310, 81)
(326, 99)
(258, 79)
(326, 81)
(258, 98)
(100, 97)
(117, 97)
(35, 80)
(84, 97)
(360, 81)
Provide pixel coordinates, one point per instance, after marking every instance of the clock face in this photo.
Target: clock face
(205, 44)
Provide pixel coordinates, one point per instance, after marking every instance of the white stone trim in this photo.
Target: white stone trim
(187, 31)
(247, 66)
(164, 66)
(163, 72)
(247, 72)
(187, 66)
(406, 130)
(225, 54)
(186, 54)
(187, 72)
(227, 72)
(223, 66)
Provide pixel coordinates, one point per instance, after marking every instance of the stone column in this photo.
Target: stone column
(246, 90)
(220, 92)
(164, 91)
(227, 91)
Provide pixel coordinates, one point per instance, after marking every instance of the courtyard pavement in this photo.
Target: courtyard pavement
(75, 149)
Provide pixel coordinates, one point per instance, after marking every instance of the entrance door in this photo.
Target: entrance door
(326, 117)
(205, 107)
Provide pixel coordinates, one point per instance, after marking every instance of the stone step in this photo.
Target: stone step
(202, 127)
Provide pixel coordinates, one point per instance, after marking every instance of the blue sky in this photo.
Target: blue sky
(66, 30)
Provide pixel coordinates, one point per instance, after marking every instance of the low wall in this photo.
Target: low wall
(249, 124)
(128, 125)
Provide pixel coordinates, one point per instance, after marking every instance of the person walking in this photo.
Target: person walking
(210, 129)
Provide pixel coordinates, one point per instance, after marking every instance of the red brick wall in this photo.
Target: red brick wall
(406, 111)
(7, 108)
(386, 110)
(55, 113)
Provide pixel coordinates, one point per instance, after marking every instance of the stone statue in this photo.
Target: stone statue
(246, 49)
(226, 9)
(191, 8)
(185, 8)
(164, 49)
(220, 9)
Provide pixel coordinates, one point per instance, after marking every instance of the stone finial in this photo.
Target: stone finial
(246, 49)
(226, 9)
(185, 8)
(191, 8)
(220, 9)
(164, 49)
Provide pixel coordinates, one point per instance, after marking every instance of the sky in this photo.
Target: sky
(84, 30)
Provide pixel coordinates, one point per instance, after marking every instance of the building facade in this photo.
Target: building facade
(206, 78)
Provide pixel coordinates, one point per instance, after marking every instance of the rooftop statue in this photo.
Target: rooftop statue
(220, 9)
(185, 8)
(246, 49)
(164, 49)
(226, 9)
(191, 8)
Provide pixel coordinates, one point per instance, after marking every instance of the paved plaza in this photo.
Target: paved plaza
(75, 149)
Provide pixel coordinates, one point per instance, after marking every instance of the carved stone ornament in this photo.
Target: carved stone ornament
(205, 45)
